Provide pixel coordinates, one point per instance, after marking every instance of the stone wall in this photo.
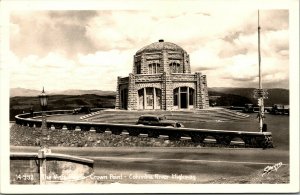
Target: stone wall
(25, 169)
(164, 58)
(169, 93)
(117, 106)
(132, 93)
(167, 83)
(122, 83)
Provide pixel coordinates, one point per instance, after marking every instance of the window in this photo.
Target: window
(183, 97)
(174, 68)
(191, 98)
(183, 89)
(149, 98)
(176, 97)
(138, 67)
(154, 68)
(124, 98)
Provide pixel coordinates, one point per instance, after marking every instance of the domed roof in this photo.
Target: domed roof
(160, 45)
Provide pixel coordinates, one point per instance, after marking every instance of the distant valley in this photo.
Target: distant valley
(21, 100)
(240, 96)
(31, 92)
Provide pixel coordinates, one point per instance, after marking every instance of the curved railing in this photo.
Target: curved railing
(222, 137)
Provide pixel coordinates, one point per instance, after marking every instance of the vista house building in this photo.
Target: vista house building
(161, 79)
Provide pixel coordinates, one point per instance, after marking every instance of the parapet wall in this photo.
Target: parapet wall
(223, 137)
(60, 168)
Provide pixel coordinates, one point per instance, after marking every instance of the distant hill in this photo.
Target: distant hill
(31, 93)
(22, 99)
(240, 96)
(20, 104)
(23, 92)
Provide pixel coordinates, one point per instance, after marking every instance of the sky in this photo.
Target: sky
(89, 49)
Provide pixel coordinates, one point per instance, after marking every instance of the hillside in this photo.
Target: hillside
(241, 96)
(57, 102)
(14, 92)
(22, 99)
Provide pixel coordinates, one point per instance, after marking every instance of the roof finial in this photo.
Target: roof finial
(43, 90)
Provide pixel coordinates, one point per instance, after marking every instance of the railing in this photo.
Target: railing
(222, 137)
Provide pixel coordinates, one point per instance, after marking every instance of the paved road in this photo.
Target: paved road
(172, 165)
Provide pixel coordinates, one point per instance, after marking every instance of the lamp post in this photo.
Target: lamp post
(42, 153)
(44, 102)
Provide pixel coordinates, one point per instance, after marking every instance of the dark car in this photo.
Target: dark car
(155, 120)
(82, 110)
(280, 109)
(248, 108)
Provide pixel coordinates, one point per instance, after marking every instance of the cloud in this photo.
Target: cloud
(89, 49)
(39, 32)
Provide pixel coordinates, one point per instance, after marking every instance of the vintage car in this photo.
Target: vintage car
(248, 108)
(154, 120)
(82, 110)
(280, 109)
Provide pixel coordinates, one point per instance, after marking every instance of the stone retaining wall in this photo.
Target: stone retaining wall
(223, 137)
(25, 169)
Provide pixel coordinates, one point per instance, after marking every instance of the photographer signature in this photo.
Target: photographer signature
(269, 169)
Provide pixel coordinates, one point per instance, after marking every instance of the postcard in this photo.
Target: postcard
(149, 96)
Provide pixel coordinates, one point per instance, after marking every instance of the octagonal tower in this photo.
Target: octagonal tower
(161, 79)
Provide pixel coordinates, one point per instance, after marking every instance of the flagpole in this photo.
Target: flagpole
(261, 99)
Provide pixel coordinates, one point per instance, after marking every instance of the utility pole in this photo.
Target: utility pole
(261, 93)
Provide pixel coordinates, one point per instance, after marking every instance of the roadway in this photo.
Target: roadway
(171, 165)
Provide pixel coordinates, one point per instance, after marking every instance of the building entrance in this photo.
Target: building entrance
(149, 98)
(124, 98)
(183, 98)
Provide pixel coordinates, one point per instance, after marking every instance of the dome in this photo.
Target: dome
(159, 46)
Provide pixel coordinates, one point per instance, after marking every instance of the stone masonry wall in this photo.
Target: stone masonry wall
(198, 90)
(202, 92)
(205, 91)
(132, 100)
(163, 79)
(117, 106)
(169, 93)
(167, 83)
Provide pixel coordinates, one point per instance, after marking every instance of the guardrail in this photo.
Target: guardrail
(222, 137)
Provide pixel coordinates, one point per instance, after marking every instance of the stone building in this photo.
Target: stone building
(161, 79)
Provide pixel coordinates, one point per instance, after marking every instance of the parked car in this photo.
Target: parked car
(248, 108)
(82, 110)
(280, 109)
(154, 120)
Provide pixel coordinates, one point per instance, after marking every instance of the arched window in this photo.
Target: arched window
(174, 67)
(149, 98)
(183, 97)
(154, 68)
